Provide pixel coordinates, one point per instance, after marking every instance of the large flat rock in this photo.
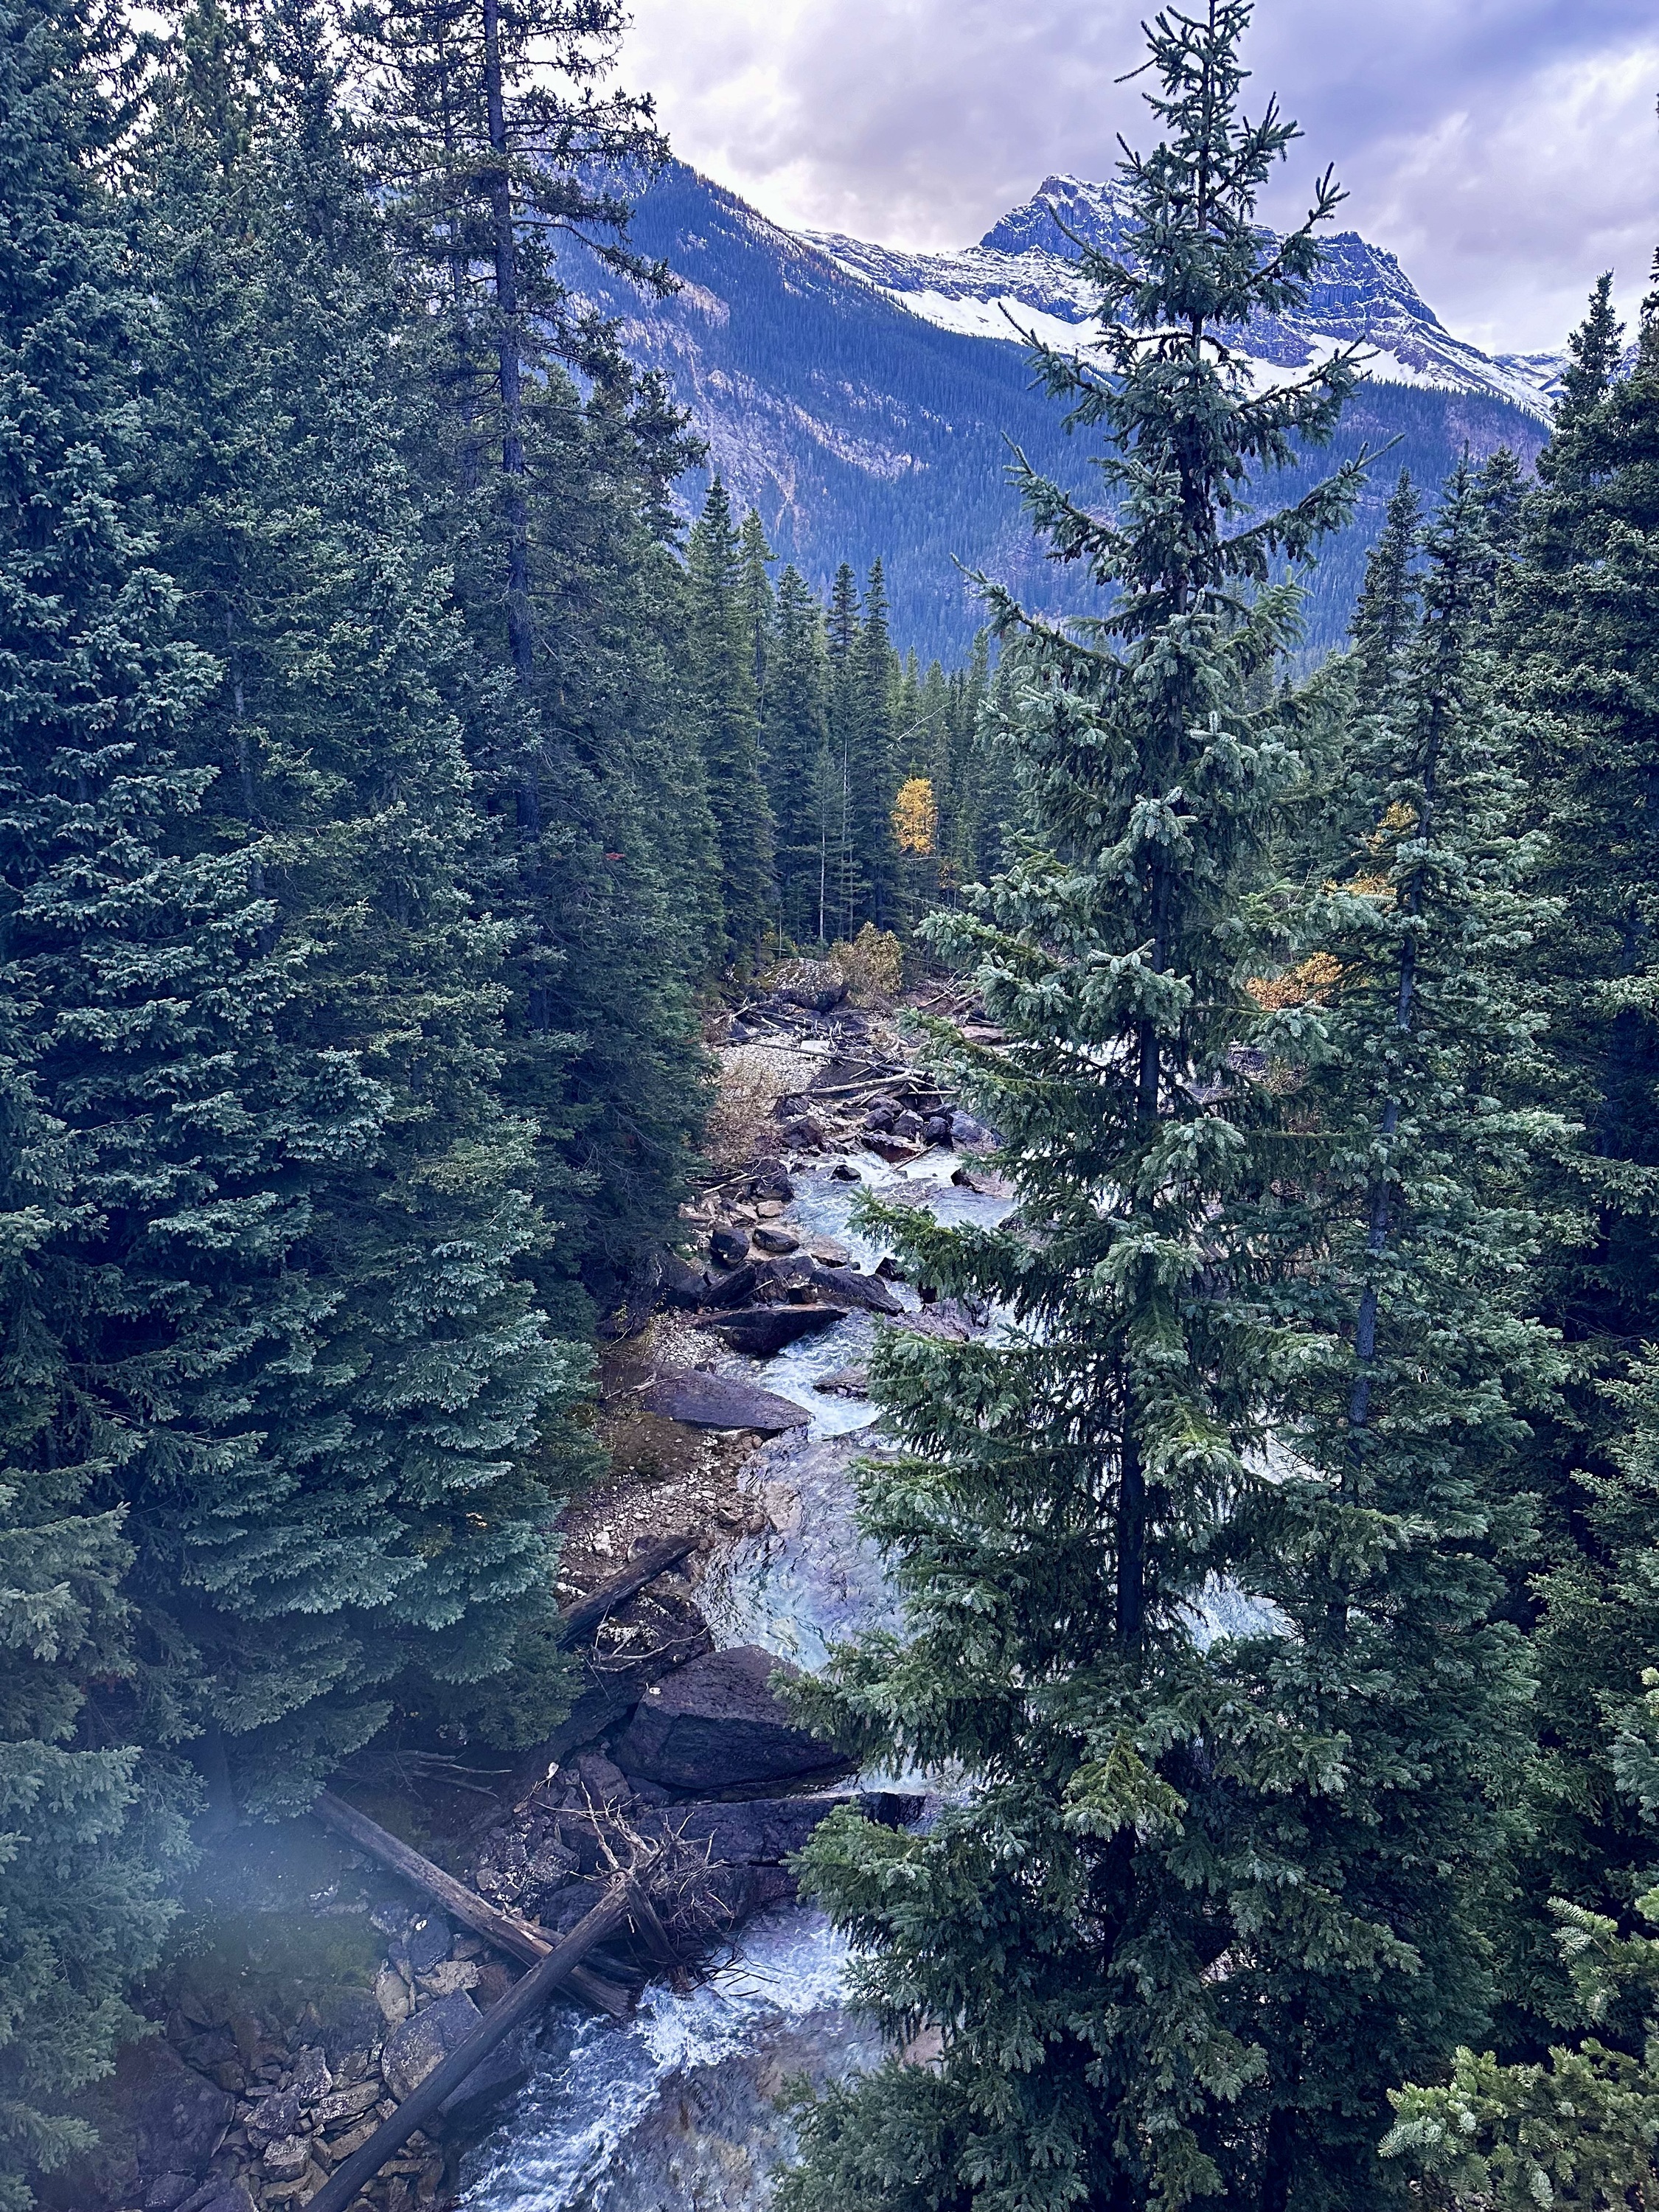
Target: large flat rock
(721, 1402)
(719, 1725)
(764, 1330)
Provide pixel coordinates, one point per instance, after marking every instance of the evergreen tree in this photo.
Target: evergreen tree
(1383, 615)
(111, 1086)
(1581, 640)
(1405, 1219)
(386, 1403)
(723, 648)
(795, 747)
(757, 603)
(842, 871)
(494, 143)
(1080, 1927)
(872, 762)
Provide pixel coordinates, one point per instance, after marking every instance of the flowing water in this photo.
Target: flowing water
(676, 2109)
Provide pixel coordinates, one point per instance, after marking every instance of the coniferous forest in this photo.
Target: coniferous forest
(403, 784)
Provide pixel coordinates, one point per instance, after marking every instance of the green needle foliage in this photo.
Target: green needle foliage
(1072, 1926)
(726, 644)
(1407, 1042)
(119, 965)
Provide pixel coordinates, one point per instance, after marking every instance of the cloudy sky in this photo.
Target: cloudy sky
(1506, 150)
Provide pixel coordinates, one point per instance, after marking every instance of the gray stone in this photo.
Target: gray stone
(846, 1383)
(718, 1725)
(179, 2117)
(721, 1402)
(730, 1245)
(907, 1124)
(278, 2114)
(816, 986)
(234, 2198)
(312, 2078)
(844, 1171)
(802, 1131)
(680, 1284)
(828, 1252)
(168, 2192)
(771, 1181)
(286, 2157)
(936, 1129)
(764, 1330)
(968, 1129)
(773, 1236)
(427, 1942)
(424, 2041)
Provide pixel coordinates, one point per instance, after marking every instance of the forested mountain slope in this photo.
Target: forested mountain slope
(837, 399)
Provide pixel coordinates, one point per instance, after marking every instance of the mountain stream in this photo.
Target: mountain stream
(675, 2109)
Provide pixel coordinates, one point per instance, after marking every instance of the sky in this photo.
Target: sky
(1507, 150)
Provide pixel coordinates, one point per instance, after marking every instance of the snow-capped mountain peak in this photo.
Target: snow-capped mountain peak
(1023, 277)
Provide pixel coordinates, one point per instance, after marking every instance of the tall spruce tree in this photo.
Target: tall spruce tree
(845, 876)
(1582, 655)
(794, 743)
(119, 960)
(725, 646)
(872, 758)
(384, 1407)
(1382, 615)
(498, 145)
(1074, 1926)
(1387, 1542)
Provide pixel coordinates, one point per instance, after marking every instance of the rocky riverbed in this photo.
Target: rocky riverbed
(733, 1403)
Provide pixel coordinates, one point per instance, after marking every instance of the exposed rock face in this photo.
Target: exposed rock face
(729, 1245)
(718, 1725)
(179, 2117)
(815, 985)
(773, 1236)
(718, 1402)
(424, 2041)
(764, 1330)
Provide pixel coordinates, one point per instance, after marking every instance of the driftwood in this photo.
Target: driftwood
(582, 1620)
(522, 2003)
(504, 1930)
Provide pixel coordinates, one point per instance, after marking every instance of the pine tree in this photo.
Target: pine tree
(1404, 1215)
(389, 1407)
(1580, 638)
(1383, 615)
(495, 143)
(843, 873)
(795, 739)
(107, 1087)
(1072, 1926)
(873, 778)
(723, 653)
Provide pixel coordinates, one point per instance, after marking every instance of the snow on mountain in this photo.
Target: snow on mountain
(1023, 279)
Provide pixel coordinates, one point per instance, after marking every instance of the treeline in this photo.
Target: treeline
(1279, 1583)
(376, 802)
(848, 787)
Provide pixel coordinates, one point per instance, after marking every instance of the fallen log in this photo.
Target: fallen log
(522, 2003)
(582, 1620)
(504, 1930)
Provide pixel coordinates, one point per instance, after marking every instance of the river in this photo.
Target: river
(676, 2108)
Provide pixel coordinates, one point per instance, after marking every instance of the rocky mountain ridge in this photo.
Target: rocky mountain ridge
(1025, 276)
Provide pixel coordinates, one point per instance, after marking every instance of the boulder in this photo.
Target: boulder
(730, 1245)
(936, 1130)
(816, 986)
(767, 1831)
(966, 1129)
(721, 1402)
(846, 1383)
(894, 1150)
(178, 2116)
(844, 1171)
(680, 1284)
(168, 2192)
(719, 1725)
(229, 2197)
(768, 1179)
(828, 1252)
(802, 1131)
(847, 1289)
(427, 1941)
(772, 1237)
(765, 1330)
(425, 2041)
(881, 1115)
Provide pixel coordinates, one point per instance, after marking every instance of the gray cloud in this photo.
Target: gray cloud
(1505, 149)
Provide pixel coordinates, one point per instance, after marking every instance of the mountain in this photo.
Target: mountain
(1025, 274)
(867, 401)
